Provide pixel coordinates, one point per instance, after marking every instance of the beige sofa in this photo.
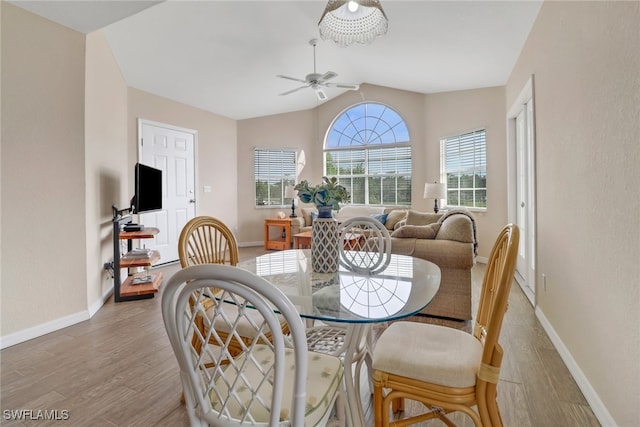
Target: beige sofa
(447, 239)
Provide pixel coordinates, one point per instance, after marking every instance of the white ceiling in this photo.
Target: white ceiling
(223, 56)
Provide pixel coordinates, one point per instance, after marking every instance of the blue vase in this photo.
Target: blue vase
(325, 211)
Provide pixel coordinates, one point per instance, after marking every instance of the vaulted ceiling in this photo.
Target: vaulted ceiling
(223, 56)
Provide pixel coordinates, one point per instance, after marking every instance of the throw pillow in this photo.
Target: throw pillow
(380, 217)
(417, 231)
(400, 223)
(306, 214)
(421, 218)
(394, 217)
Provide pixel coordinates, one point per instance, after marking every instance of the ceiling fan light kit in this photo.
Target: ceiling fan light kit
(317, 81)
(349, 22)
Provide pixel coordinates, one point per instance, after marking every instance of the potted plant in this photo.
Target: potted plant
(327, 196)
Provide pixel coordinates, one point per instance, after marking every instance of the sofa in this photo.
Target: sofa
(447, 239)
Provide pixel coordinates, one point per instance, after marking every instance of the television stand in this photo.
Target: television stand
(132, 288)
(133, 227)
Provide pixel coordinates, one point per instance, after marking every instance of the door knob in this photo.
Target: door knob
(192, 201)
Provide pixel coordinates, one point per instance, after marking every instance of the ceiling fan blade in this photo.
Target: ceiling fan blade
(327, 76)
(344, 86)
(291, 78)
(294, 90)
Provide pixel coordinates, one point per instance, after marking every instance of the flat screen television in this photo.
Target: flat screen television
(148, 189)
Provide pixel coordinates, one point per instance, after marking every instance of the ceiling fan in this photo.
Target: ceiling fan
(317, 81)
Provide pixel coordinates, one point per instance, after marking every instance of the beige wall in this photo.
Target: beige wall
(306, 130)
(292, 130)
(105, 161)
(215, 147)
(43, 186)
(452, 113)
(61, 144)
(584, 56)
(428, 117)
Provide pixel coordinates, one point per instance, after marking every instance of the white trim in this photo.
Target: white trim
(250, 244)
(482, 259)
(42, 329)
(526, 94)
(596, 404)
(55, 325)
(97, 305)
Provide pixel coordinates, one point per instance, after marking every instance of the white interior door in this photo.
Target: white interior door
(171, 150)
(521, 194)
(522, 210)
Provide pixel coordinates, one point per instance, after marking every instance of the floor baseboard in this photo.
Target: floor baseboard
(597, 406)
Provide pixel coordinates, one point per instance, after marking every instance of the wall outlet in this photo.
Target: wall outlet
(544, 281)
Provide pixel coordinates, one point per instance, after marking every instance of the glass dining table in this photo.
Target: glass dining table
(401, 287)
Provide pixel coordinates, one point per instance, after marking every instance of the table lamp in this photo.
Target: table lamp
(289, 192)
(435, 191)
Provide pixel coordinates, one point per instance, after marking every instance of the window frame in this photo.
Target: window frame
(367, 149)
(473, 169)
(287, 176)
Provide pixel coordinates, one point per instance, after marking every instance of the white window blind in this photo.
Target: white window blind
(274, 169)
(463, 166)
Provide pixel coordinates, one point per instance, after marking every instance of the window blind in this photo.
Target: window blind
(274, 169)
(464, 169)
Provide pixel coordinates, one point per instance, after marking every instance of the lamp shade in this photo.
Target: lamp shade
(289, 192)
(435, 191)
(349, 22)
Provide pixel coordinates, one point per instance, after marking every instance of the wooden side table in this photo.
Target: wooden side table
(279, 243)
(302, 240)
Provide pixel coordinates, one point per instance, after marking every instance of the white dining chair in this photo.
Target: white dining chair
(365, 244)
(365, 247)
(273, 381)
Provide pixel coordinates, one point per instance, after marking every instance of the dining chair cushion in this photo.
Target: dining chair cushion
(430, 353)
(323, 379)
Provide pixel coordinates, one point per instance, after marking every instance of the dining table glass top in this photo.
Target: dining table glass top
(401, 287)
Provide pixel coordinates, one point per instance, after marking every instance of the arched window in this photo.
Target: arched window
(368, 149)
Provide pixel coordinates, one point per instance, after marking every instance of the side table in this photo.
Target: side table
(302, 240)
(284, 228)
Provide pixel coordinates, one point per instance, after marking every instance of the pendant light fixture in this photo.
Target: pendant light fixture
(349, 22)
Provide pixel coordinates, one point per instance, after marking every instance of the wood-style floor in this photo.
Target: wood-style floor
(117, 369)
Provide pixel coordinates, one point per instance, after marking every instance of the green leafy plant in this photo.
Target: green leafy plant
(329, 193)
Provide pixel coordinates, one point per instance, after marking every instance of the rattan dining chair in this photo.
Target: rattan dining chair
(447, 369)
(207, 240)
(273, 381)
